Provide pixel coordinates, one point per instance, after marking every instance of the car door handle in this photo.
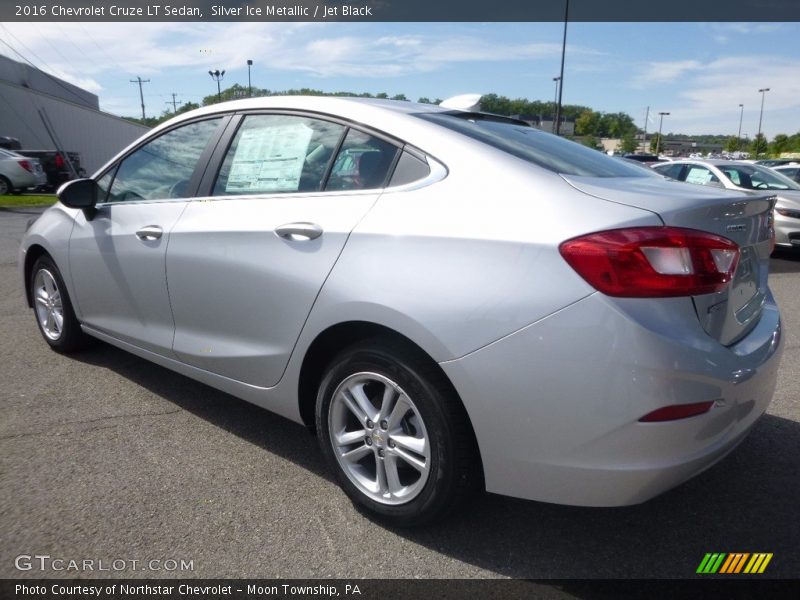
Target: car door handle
(149, 233)
(299, 231)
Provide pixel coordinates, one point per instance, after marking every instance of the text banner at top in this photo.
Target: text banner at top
(402, 10)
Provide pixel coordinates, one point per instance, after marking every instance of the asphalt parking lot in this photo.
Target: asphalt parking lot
(106, 456)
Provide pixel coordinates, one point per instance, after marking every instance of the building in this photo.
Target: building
(546, 123)
(47, 113)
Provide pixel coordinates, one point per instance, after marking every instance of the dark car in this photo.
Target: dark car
(646, 159)
(776, 162)
(57, 166)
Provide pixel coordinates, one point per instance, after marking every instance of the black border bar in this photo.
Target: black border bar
(400, 10)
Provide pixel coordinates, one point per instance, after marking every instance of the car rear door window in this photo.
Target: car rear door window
(274, 154)
(702, 176)
(162, 168)
(363, 163)
(409, 169)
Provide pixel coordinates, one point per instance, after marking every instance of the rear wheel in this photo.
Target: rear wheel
(51, 304)
(395, 434)
(5, 186)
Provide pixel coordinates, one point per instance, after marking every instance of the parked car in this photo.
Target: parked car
(484, 306)
(56, 166)
(19, 172)
(775, 162)
(752, 178)
(792, 171)
(646, 159)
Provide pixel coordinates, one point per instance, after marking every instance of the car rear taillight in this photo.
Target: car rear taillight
(677, 411)
(59, 161)
(653, 262)
(26, 165)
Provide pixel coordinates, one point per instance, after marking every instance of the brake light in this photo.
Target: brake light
(25, 165)
(59, 161)
(677, 411)
(653, 262)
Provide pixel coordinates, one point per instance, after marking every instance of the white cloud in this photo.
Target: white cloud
(665, 72)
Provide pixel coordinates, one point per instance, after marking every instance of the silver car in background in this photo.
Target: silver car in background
(454, 301)
(752, 178)
(18, 172)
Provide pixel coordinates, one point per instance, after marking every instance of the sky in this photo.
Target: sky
(698, 72)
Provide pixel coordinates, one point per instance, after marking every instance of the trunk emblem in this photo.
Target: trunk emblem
(738, 227)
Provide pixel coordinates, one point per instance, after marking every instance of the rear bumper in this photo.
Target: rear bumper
(556, 405)
(787, 231)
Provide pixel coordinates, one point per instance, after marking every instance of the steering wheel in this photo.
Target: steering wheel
(761, 186)
(179, 188)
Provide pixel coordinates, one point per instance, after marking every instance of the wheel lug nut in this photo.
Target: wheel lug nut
(384, 425)
(369, 441)
(370, 424)
(392, 444)
(380, 452)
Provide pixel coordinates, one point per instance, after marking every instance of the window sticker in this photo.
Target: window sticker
(269, 159)
(701, 176)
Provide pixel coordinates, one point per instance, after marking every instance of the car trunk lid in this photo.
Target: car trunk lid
(743, 218)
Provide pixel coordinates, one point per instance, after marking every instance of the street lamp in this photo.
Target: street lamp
(763, 92)
(561, 76)
(660, 123)
(739, 136)
(555, 102)
(249, 87)
(217, 76)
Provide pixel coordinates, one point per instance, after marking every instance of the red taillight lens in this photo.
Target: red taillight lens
(26, 165)
(653, 262)
(677, 411)
(59, 161)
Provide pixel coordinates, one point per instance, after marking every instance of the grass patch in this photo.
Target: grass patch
(26, 200)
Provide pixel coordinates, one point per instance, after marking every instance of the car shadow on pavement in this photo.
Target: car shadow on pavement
(746, 503)
(253, 424)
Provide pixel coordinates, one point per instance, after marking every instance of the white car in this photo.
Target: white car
(19, 172)
(743, 176)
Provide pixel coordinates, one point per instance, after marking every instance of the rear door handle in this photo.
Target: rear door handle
(149, 233)
(299, 231)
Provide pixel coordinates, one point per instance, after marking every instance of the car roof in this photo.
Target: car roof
(714, 162)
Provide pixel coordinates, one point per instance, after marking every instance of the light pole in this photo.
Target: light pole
(217, 76)
(660, 123)
(555, 102)
(739, 136)
(561, 76)
(763, 92)
(249, 87)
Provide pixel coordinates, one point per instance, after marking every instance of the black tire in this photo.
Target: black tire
(69, 337)
(454, 468)
(5, 186)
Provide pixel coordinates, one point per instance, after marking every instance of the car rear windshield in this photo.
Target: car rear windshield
(535, 146)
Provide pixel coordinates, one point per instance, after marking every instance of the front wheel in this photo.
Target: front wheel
(395, 434)
(53, 309)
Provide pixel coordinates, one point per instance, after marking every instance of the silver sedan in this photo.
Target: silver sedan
(454, 301)
(750, 178)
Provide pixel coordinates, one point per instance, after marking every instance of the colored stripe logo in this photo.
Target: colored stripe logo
(733, 563)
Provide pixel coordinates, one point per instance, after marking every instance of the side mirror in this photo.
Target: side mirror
(78, 193)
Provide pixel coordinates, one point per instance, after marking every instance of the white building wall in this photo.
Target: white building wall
(96, 135)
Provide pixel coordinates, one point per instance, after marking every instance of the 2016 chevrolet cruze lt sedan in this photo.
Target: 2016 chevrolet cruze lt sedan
(455, 301)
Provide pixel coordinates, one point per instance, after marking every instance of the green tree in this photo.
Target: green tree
(656, 142)
(780, 144)
(629, 142)
(588, 123)
(732, 145)
(591, 142)
(759, 145)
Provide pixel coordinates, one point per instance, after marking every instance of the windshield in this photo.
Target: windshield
(530, 144)
(755, 177)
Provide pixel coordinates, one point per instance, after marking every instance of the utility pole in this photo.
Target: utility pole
(140, 81)
(555, 102)
(644, 136)
(174, 102)
(762, 91)
(660, 123)
(249, 86)
(561, 75)
(739, 136)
